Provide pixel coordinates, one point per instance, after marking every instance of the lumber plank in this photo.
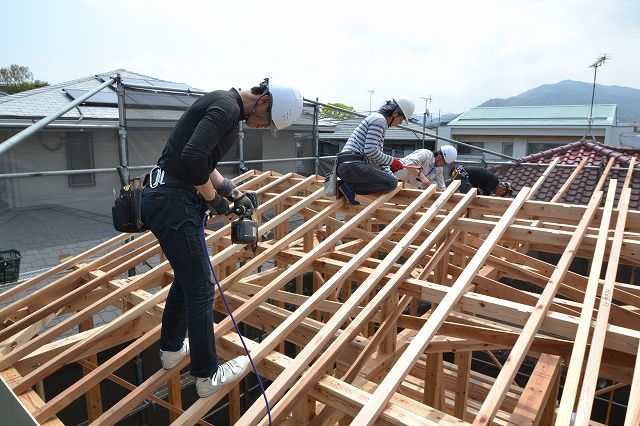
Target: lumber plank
(389, 385)
(536, 394)
(511, 366)
(585, 402)
(582, 335)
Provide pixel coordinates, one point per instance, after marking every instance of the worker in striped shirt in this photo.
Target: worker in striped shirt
(362, 165)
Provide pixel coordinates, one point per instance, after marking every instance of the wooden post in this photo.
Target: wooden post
(234, 404)
(175, 395)
(433, 386)
(304, 411)
(93, 397)
(463, 361)
(535, 397)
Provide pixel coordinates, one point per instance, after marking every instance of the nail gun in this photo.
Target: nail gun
(244, 230)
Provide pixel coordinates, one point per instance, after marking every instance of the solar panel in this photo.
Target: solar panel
(162, 100)
(152, 83)
(100, 98)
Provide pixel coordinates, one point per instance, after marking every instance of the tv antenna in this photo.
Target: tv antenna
(370, 95)
(426, 114)
(598, 63)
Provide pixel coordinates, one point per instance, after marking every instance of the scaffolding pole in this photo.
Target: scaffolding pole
(19, 137)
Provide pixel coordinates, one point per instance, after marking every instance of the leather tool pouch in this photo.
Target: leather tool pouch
(127, 210)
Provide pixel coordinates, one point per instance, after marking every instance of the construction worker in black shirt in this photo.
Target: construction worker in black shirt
(478, 177)
(183, 186)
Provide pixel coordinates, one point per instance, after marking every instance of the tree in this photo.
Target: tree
(18, 78)
(326, 112)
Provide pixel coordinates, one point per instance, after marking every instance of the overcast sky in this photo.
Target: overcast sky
(461, 53)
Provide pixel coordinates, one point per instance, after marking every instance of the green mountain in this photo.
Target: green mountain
(569, 92)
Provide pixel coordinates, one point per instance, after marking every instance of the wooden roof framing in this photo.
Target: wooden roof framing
(366, 351)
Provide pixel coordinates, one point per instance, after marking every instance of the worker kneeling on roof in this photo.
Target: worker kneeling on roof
(423, 167)
(486, 182)
(362, 165)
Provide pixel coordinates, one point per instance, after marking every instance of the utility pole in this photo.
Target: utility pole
(424, 117)
(370, 95)
(599, 62)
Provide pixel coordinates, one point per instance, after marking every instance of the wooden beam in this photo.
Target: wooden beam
(93, 397)
(200, 407)
(511, 366)
(538, 184)
(387, 388)
(584, 327)
(463, 361)
(535, 397)
(318, 343)
(585, 402)
(632, 417)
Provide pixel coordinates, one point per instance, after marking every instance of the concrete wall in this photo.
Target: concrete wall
(47, 151)
(497, 139)
(625, 136)
(259, 144)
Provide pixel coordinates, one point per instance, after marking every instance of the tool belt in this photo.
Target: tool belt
(348, 156)
(127, 210)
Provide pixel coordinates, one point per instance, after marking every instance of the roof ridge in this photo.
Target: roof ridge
(541, 106)
(550, 152)
(609, 151)
(37, 91)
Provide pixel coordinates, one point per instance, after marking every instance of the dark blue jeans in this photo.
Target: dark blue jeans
(174, 215)
(366, 178)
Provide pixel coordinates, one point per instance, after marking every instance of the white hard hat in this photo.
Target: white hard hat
(449, 154)
(406, 106)
(286, 105)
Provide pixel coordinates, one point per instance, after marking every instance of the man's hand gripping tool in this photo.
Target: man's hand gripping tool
(244, 230)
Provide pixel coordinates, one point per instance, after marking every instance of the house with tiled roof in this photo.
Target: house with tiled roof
(569, 157)
(519, 131)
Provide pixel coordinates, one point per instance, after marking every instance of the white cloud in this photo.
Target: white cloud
(461, 53)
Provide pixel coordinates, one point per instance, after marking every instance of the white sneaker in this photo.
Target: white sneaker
(228, 372)
(170, 359)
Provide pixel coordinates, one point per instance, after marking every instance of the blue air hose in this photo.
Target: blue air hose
(215, 278)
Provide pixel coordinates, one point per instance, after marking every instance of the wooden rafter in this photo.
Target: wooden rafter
(367, 349)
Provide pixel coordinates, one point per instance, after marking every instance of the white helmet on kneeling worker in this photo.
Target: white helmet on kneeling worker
(448, 154)
(407, 107)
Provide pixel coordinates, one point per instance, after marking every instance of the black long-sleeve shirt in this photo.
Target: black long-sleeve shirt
(202, 136)
(480, 178)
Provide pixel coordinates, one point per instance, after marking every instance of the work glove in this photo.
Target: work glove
(218, 206)
(228, 190)
(245, 203)
(459, 170)
(396, 165)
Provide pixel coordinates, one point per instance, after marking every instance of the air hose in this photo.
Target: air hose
(233, 320)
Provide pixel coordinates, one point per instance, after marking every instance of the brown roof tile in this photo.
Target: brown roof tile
(580, 191)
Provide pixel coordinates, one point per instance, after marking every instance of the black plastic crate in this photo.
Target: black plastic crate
(9, 265)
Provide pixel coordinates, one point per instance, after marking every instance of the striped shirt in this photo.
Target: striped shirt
(368, 138)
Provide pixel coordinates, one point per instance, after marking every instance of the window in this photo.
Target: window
(80, 156)
(464, 150)
(533, 148)
(507, 149)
